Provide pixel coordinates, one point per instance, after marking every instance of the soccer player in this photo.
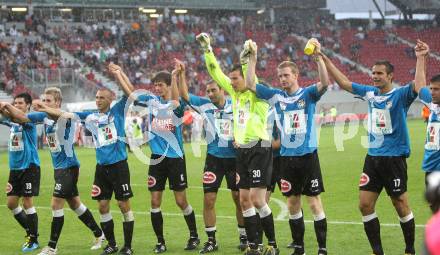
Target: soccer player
(220, 156)
(276, 148)
(112, 173)
(59, 137)
(430, 97)
(385, 163)
(167, 160)
(300, 168)
(24, 175)
(254, 160)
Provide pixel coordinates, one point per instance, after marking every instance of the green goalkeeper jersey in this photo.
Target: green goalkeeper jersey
(250, 113)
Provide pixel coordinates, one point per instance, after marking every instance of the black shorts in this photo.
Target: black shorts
(173, 169)
(214, 171)
(112, 178)
(24, 183)
(254, 166)
(301, 175)
(276, 175)
(65, 182)
(384, 171)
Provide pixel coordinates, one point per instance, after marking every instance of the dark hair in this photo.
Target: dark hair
(162, 76)
(435, 78)
(27, 98)
(211, 81)
(388, 66)
(237, 67)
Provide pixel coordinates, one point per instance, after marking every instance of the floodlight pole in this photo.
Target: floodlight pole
(378, 9)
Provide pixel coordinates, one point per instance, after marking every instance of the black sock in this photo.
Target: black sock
(191, 223)
(157, 222)
(109, 232)
(259, 226)
(250, 223)
(269, 229)
(128, 227)
(242, 235)
(21, 218)
(33, 227)
(408, 229)
(321, 232)
(210, 232)
(89, 221)
(297, 229)
(372, 229)
(55, 231)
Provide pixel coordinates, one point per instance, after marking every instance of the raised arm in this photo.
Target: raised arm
(175, 75)
(422, 50)
(13, 113)
(322, 69)
(53, 112)
(123, 81)
(212, 65)
(340, 78)
(183, 88)
(250, 74)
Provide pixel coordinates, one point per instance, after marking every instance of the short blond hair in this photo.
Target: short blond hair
(55, 92)
(289, 64)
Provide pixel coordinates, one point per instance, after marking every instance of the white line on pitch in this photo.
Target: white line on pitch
(233, 217)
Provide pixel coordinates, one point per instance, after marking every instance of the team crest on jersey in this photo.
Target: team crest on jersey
(389, 104)
(96, 191)
(151, 181)
(8, 188)
(209, 177)
(301, 103)
(285, 186)
(365, 179)
(217, 114)
(237, 178)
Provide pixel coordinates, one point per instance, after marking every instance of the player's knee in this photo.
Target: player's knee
(209, 204)
(124, 206)
(400, 204)
(181, 203)
(366, 207)
(12, 205)
(27, 202)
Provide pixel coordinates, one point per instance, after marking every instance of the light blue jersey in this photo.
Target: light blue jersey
(218, 125)
(431, 157)
(295, 114)
(22, 145)
(108, 131)
(387, 128)
(164, 126)
(59, 137)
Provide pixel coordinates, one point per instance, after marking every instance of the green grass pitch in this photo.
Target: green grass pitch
(341, 171)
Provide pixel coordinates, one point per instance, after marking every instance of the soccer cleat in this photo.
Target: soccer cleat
(192, 243)
(110, 250)
(98, 243)
(322, 251)
(160, 248)
(298, 250)
(270, 250)
(208, 247)
(250, 251)
(243, 243)
(48, 251)
(29, 246)
(126, 251)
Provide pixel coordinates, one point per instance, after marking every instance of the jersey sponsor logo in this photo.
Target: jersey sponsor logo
(96, 191)
(285, 186)
(8, 188)
(209, 177)
(151, 181)
(166, 124)
(237, 178)
(365, 179)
